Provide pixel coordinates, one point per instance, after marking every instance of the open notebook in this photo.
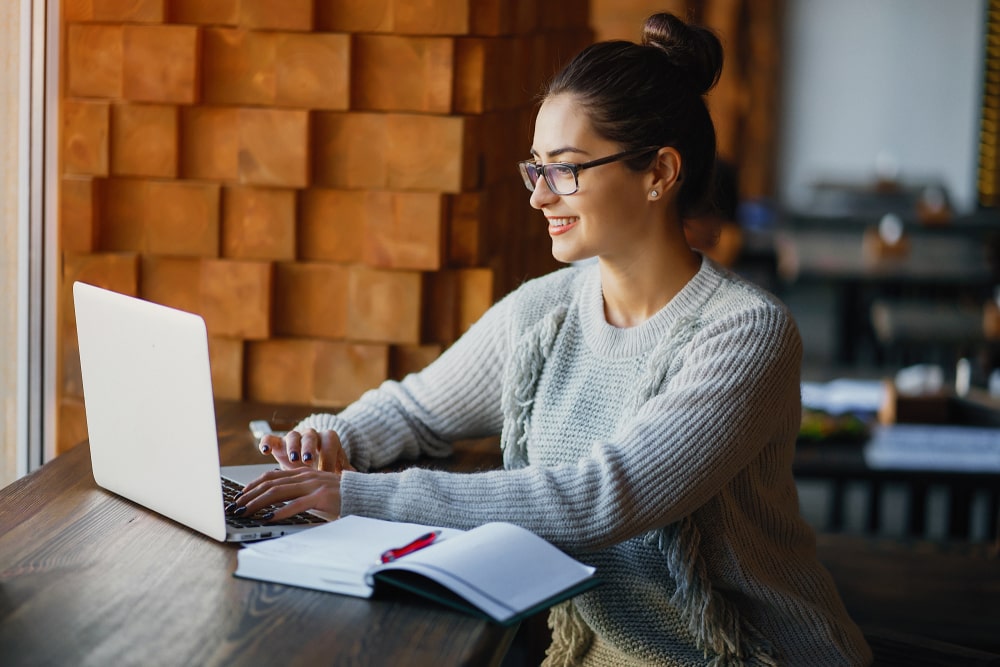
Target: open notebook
(147, 387)
(497, 571)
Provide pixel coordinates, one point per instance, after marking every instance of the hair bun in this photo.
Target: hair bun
(694, 49)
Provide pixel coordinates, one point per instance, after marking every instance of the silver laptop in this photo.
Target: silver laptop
(147, 387)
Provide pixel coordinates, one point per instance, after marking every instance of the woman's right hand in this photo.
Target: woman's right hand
(322, 451)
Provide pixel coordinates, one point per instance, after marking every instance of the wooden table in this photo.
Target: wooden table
(87, 578)
(943, 591)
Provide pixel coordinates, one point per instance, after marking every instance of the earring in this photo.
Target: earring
(654, 194)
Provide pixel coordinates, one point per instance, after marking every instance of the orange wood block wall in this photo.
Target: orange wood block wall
(331, 184)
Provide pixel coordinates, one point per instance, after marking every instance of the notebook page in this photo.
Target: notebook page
(501, 568)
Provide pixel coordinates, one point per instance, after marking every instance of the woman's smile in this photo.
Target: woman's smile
(560, 224)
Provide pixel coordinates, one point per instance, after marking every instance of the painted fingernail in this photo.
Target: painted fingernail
(293, 456)
(265, 448)
(239, 510)
(230, 507)
(268, 516)
(307, 457)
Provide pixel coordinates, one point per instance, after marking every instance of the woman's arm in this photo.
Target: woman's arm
(457, 396)
(737, 388)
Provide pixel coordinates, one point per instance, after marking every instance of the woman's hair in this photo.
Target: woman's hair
(652, 94)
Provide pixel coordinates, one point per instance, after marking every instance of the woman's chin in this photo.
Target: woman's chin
(566, 257)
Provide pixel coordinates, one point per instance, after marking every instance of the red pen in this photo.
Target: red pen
(416, 545)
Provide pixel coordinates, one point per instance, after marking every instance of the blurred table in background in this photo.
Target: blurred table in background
(969, 493)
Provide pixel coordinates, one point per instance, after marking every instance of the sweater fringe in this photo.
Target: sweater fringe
(712, 620)
(520, 384)
(571, 637)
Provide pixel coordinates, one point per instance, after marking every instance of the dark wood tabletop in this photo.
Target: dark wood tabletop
(944, 591)
(88, 578)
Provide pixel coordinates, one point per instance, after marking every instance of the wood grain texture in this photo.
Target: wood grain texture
(94, 58)
(132, 11)
(401, 73)
(210, 143)
(258, 223)
(217, 12)
(78, 211)
(86, 127)
(144, 140)
(124, 586)
(160, 63)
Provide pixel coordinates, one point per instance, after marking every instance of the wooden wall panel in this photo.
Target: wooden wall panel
(94, 60)
(160, 63)
(216, 12)
(258, 223)
(310, 300)
(86, 126)
(402, 73)
(344, 371)
(78, 210)
(331, 184)
(274, 147)
(332, 225)
(384, 306)
(144, 140)
(209, 143)
(276, 14)
(129, 11)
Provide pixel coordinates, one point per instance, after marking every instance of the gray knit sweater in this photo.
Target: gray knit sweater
(661, 454)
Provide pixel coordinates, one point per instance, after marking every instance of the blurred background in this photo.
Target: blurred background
(331, 183)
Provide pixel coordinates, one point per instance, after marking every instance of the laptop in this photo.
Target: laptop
(147, 388)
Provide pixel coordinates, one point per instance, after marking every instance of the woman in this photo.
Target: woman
(648, 402)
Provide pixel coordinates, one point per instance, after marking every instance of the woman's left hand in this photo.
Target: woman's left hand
(301, 489)
(308, 448)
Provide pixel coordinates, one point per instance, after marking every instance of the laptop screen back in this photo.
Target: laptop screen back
(150, 410)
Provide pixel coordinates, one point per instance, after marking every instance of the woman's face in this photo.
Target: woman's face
(608, 214)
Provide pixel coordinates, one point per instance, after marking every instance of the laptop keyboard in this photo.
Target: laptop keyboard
(229, 491)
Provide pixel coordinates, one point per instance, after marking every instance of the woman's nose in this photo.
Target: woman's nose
(542, 194)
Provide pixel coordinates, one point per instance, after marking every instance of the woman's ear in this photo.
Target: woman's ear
(666, 173)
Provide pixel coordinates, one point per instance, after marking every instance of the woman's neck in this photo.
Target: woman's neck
(637, 289)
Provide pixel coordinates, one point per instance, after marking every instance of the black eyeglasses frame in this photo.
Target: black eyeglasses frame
(530, 182)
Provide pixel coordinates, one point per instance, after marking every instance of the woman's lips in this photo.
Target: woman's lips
(561, 225)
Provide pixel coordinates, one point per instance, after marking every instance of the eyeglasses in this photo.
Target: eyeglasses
(563, 177)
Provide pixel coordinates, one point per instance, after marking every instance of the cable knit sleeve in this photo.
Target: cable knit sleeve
(729, 391)
(457, 396)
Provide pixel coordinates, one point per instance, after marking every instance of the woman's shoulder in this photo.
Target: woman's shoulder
(548, 297)
(737, 297)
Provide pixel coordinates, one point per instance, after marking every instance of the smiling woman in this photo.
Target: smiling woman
(647, 402)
